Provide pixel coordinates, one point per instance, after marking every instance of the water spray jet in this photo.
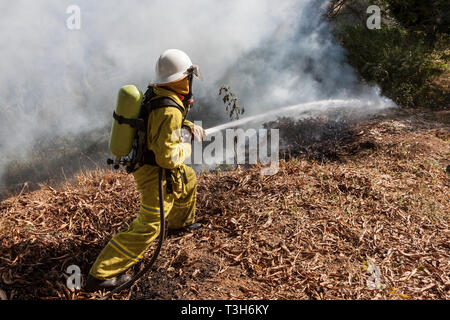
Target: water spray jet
(302, 109)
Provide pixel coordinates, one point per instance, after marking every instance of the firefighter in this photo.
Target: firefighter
(175, 73)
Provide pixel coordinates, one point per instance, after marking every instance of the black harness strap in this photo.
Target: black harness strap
(162, 103)
(134, 123)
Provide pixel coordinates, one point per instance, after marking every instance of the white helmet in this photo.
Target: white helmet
(173, 65)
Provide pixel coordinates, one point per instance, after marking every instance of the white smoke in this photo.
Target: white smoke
(55, 81)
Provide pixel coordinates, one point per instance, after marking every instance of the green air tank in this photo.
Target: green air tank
(122, 135)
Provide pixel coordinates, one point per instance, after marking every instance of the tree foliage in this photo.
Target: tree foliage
(398, 61)
(408, 57)
(431, 17)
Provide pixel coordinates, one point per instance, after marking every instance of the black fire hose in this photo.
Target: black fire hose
(162, 229)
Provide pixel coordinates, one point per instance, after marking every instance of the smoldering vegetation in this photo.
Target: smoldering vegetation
(328, 136)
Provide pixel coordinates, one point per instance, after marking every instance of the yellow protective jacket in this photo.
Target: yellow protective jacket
(164, 137)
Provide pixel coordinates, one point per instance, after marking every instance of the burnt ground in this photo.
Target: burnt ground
(347, 200)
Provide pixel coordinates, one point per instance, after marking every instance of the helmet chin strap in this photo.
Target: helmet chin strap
(189, 98)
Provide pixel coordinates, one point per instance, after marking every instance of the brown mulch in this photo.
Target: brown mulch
(315, 230)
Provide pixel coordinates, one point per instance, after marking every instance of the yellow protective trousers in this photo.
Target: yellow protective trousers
(127, 247)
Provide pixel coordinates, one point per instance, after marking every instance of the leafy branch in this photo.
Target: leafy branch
(231, 102)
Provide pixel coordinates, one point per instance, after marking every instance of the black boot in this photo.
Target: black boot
(93, 284)
(194, 226)
(191, 227)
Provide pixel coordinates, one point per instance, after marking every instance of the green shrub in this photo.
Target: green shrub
(399, 61)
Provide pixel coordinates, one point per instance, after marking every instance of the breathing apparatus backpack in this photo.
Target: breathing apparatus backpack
(128, 138)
